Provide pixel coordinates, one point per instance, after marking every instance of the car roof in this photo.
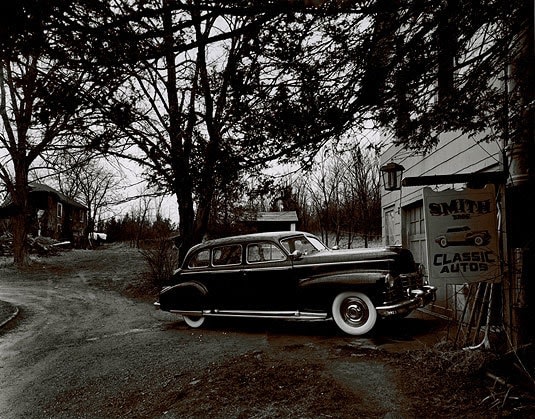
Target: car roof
(272, 235)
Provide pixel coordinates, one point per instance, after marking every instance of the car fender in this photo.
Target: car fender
(183, 285)
(186, 295)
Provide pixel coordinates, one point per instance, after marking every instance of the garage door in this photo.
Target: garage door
(415, 239)
(415, 232)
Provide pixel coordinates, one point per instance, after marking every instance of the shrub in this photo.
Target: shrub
(162, 258)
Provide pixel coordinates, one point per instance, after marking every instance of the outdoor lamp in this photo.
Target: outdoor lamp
(392, 173)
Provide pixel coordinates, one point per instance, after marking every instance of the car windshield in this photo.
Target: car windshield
(305, 244)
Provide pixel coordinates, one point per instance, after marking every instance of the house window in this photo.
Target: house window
(60, 210)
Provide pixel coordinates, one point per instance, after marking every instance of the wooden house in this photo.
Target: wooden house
(53, 214)
(276, 221)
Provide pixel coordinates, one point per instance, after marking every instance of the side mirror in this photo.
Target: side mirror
(296, 255)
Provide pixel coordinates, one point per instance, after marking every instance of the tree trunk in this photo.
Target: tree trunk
(21, 220)
(180, 140)
(186, 214)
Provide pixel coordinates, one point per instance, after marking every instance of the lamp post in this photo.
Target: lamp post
(392, 173)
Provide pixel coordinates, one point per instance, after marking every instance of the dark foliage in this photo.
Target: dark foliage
(289, 76)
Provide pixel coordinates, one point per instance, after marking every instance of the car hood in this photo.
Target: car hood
(350, 254)
(390, 258)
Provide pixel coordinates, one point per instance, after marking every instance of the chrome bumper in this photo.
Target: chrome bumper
(420, 297)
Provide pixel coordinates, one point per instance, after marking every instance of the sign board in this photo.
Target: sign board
(462, 235)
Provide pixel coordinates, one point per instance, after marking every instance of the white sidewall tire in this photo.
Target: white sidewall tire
(354, 313)
(194, 322)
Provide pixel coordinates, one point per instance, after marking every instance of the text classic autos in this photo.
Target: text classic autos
(293, 275)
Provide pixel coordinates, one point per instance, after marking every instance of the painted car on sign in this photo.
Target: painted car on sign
(293, 275)
(462, 236)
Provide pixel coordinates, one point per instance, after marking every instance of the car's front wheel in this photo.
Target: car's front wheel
(194, 321)
(354, 313)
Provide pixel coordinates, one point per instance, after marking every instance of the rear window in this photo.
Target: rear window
(227, 255)
(200, 259)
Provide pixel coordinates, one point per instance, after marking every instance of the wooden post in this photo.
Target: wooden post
(520, 190)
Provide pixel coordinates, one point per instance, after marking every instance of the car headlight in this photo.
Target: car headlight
(422, 272)
(390, 280)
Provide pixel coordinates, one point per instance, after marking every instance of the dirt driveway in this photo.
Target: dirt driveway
(84, 347)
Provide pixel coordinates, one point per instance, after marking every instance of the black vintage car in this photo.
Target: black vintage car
(293, 275)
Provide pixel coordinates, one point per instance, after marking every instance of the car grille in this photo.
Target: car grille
(395, 293)
(412, 281)
(400, 291)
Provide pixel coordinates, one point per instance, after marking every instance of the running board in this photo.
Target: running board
(287, 315)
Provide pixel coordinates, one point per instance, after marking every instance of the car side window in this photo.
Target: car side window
(299, 243)
(264, 252)
(227, 255)
(200, 259)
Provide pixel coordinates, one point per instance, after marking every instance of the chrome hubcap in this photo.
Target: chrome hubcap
(354, 311)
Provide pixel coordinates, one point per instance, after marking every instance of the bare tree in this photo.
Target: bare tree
(363, 198)
(344, 190)
(323, 189)
(30, 127)
(178, 111)
(88, 180)
(45, 102)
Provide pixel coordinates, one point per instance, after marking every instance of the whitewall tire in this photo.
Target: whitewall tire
(194, 321)
(354, 313)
